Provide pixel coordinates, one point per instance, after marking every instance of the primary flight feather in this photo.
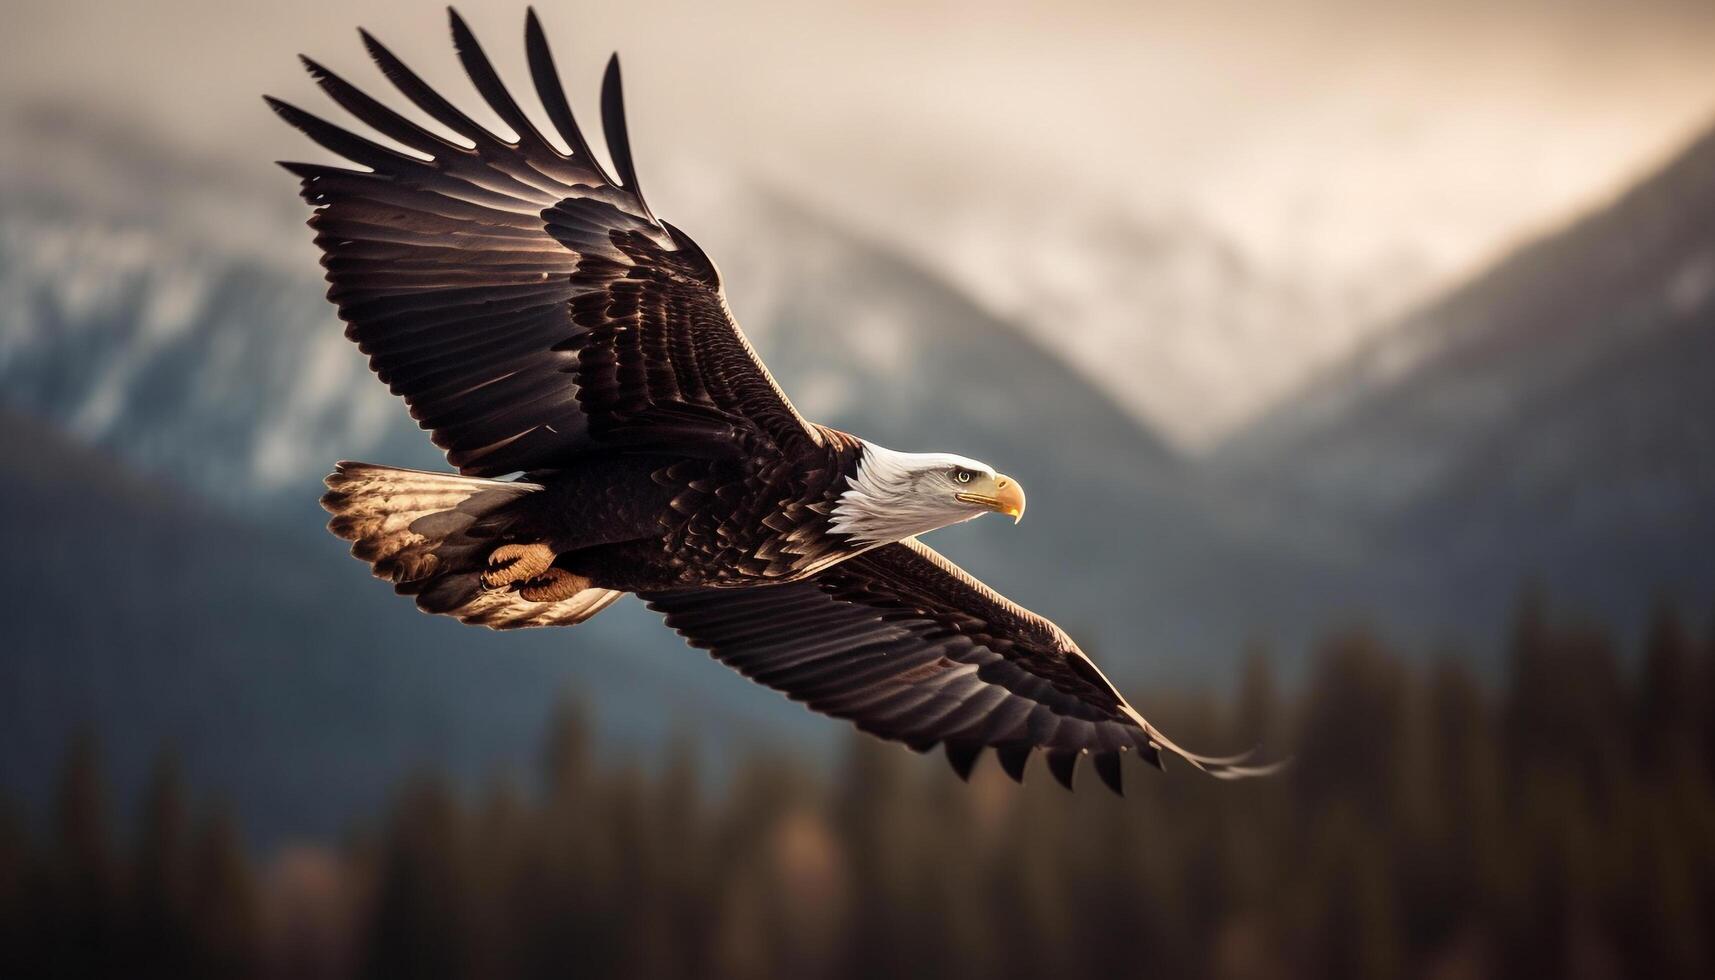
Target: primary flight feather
(539, 319)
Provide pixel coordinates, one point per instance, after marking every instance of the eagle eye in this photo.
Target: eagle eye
(962, 475)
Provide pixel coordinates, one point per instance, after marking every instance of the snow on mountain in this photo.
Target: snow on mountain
(1177, 322)
(1550, 419)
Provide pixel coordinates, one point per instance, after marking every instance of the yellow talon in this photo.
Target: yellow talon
(512, 563)
(553, 585)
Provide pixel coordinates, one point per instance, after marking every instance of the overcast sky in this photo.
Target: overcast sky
(1328, 139)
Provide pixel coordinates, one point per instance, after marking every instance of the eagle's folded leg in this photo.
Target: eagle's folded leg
(512, 563)
(554, 585)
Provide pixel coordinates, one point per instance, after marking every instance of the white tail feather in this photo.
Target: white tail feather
(430, 534)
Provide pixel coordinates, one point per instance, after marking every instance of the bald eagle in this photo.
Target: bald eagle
(615, 433)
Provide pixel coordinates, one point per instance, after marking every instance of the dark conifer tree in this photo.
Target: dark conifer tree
(1667, 701)
(161, 894)
(85, 887)
(419, 924)
(224, 902)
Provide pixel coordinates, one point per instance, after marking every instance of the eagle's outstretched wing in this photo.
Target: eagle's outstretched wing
(527, 305)
(910, 647)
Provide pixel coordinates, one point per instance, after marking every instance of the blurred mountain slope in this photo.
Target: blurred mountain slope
(289, 681)
(1552, 418)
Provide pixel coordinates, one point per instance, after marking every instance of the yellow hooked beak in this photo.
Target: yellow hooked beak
(1001, 494)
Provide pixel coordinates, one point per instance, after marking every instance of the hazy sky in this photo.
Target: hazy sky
(1340, 142)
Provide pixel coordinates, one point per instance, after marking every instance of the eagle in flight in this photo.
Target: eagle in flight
(614, 432)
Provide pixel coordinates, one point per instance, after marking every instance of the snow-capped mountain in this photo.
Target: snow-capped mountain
(1181, 326)
(1552, 418)
(1184, 328)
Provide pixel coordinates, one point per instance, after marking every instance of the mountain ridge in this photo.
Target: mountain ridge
(1547, 420)
(1463, 314)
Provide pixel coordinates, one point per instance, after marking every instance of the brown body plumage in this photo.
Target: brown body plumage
(644, 522)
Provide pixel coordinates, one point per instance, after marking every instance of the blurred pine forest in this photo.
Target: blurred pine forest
(1557, 820)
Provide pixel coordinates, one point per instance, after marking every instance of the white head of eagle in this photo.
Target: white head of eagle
(894, 495)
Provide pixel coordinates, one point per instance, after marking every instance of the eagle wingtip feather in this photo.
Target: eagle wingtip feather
(463, 36)
(379, 53)
(1013, 759)
(610, 75)
(962, 756)
(1064, 767)
(1107, 766)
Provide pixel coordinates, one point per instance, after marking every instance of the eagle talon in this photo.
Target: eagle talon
(513, 563)
(553, 585)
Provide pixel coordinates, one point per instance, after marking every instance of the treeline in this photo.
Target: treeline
(1557, 822)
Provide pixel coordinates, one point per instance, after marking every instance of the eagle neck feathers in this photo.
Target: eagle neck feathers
(877, 507)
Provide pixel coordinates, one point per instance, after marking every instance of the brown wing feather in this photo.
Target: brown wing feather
(526, 306)
(907, 646)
